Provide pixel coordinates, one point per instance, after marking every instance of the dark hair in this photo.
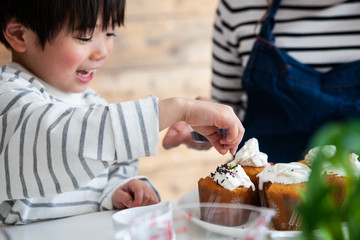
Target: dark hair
(47, 17)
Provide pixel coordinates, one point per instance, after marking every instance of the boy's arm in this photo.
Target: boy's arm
(49, 147)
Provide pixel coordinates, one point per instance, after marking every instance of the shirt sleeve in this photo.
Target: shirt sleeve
(94, 196)
(227, 66)
(49, 147)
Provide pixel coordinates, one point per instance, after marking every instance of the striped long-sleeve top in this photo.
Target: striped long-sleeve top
(321, 34)
(64, 154)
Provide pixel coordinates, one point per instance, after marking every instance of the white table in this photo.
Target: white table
(91, 226)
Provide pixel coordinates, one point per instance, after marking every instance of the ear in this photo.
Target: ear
(14, 34)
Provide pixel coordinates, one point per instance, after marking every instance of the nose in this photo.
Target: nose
(102, 49)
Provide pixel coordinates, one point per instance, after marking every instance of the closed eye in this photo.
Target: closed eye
(85, 39)
(111, 35)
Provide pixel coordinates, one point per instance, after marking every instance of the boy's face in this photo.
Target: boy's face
(70, 61)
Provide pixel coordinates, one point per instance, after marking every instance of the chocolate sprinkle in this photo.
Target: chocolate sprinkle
(225, 169)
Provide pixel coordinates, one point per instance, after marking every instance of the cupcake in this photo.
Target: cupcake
(334, 175)
(328, 150)
(228, 184)
(281, 185)
(253, 162)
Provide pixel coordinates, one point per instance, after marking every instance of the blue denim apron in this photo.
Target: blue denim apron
(288, 101)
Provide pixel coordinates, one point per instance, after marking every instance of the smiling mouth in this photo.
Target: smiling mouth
(85, 73)
(85, 76)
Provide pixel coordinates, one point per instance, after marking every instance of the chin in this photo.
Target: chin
(79, 90)
(76, 89)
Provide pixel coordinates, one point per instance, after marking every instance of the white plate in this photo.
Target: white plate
(193, 197)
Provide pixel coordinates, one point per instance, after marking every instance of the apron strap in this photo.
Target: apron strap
(269, 22)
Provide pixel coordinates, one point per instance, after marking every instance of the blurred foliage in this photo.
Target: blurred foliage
(322, 218)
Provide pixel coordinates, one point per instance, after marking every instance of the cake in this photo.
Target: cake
(228, 184)
(253, 162)
(335, 176)
(328, 150)
(280, 185)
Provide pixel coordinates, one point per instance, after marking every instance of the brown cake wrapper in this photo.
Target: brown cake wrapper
(339, 184)
(252, 172)
(283, 198)
(262, 194)
(211, 192)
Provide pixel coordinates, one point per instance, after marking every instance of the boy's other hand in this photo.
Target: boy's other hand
(180, 133)
(134, 193)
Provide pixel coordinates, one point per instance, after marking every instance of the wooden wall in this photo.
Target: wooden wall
(165, 50)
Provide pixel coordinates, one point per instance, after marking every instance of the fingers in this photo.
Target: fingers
(207, 116)
(144, 198)
(236, 133)
(122, 199)
(134, 193)
(228, 143)
(223, 149)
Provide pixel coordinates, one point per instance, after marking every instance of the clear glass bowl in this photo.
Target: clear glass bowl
(170, 220)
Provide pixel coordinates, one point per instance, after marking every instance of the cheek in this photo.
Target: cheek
(71, 59)
(111, 47)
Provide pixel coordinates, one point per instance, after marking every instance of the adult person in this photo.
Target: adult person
(287, 68)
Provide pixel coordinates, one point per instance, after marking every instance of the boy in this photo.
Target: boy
(63, 149)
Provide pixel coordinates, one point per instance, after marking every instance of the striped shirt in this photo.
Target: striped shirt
(321, 34)
(66, 153)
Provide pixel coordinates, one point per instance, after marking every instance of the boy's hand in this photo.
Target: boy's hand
(180, 133)
(224, 117)
(134, 193)
(205, 118)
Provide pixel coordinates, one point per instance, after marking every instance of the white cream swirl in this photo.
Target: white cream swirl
(231, 176)
(250, 155)
(285, 173)
(353, 162)
(329, 151)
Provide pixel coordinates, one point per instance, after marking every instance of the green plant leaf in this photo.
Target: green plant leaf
(322, 217)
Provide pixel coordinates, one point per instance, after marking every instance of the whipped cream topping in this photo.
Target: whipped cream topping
(329, 151)
(250, 155)
(285, 173)
(231, 176)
